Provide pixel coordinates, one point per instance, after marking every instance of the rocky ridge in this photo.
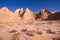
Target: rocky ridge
(27, 15)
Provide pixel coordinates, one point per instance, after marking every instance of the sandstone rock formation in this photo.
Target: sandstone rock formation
(29, 15)
(44, 14)
(19, 12)
(5, 10)
(54, 16)
(6, 15)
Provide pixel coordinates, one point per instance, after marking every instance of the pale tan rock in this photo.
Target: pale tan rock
(19, 11)
(5, 10)
(44, 14)
(29, 15)
(6, 15)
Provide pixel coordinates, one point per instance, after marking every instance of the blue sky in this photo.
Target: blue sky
(33, 5)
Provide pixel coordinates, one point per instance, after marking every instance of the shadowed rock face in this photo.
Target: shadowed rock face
(37, 16)
(19, 12)
(55, 16)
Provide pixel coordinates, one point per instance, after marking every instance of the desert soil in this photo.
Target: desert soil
(38, 30)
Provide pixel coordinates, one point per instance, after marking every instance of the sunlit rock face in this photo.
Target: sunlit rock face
(6, 15)
(5, 10)
(29, 15)
(19, 12)
(44, 14)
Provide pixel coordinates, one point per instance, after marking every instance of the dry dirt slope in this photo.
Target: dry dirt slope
(38, 30)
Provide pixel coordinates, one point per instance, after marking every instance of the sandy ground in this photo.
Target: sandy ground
(38, 30)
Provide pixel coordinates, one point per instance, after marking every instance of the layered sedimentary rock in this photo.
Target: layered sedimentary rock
(44, 14)
(29, 15)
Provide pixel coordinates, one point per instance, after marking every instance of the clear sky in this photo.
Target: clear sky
(33, 5)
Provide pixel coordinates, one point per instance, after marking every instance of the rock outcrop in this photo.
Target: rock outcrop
(19, 12)
(29, 15)
(54, 16)
(44, 14)
(5, 10)
(6, 15)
